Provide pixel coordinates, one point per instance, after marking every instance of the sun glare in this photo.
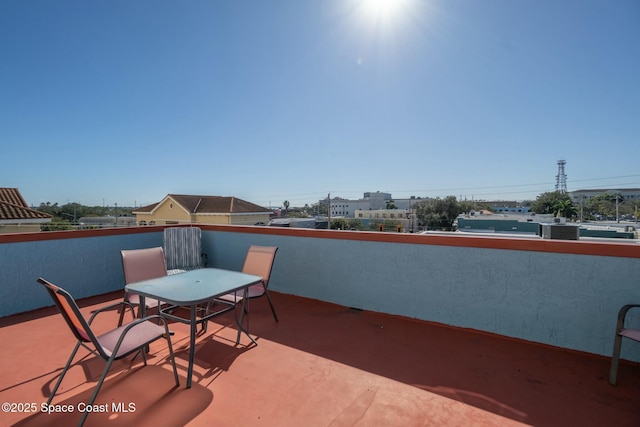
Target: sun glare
(383, 9)
(381, 27)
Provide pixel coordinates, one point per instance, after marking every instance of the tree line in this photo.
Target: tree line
(67, 216)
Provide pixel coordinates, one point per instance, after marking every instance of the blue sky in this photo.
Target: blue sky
(105, 102)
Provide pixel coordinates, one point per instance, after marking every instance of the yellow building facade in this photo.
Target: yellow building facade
(189, 209)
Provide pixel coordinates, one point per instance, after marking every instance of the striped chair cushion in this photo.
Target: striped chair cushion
(182, 248)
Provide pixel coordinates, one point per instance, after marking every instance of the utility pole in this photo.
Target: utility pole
(329, 211)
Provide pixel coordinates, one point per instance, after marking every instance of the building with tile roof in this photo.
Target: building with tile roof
(193, 209)
(16, 216)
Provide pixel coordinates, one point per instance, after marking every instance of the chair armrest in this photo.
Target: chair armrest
(111, 307)
(133, 324)
(622, 314)
(154, 316)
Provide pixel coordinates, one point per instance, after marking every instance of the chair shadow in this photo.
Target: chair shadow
(92, 368)
(145, 395)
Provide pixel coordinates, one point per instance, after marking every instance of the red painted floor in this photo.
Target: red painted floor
(321, 365)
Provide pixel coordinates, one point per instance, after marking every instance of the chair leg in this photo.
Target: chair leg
(244, 312)
(273, 310)
(64, 371)
(205, 322)
(173, 360)
(121, 318)
(615, 360)
(97, 389)
(144, 357)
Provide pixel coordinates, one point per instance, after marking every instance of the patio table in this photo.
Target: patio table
(193, 288)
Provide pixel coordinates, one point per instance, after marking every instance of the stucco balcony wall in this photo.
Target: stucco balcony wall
(564, 294)
(86, 263)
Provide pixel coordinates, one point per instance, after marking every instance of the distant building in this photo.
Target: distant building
(384, 214)
(16, 216)
(296, 222)
(370, 201)
(404, 217)
(544, 225)
(507, 206)
(106, 221)
(579, 196)
(191, 209)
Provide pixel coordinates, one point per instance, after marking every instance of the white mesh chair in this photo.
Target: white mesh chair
(183, 249)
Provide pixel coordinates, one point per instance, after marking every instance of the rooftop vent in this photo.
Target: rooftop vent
(559, 232)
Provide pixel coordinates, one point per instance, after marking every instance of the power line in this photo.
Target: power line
(548, 184)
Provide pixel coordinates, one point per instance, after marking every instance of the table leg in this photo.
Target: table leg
(143, 306)
(142, 311)
(241, 323)
(192, 345)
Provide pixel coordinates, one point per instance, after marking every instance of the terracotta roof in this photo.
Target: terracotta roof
(209, 204)
(147, 208)
(14, 207)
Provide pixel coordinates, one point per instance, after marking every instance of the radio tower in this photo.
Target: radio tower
(561, 178)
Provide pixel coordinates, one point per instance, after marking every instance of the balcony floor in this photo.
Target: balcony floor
(321, 365)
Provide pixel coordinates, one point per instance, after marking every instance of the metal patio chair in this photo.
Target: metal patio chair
(621, 332)
(145, 264)
(109, 346)
(138, 265)
(183, 249)
(259, 262)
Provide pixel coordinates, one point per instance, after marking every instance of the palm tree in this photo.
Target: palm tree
(556, 203)
(564, 208)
